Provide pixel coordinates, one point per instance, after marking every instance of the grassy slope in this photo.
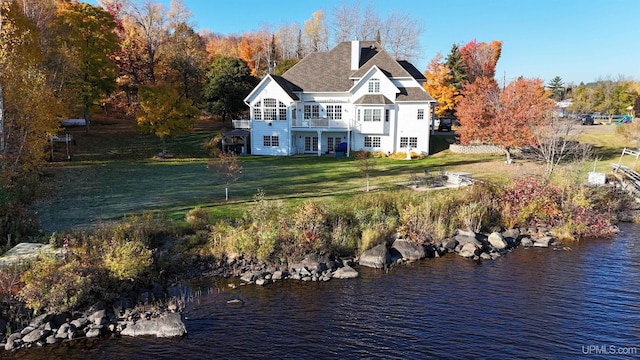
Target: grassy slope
(114, 174)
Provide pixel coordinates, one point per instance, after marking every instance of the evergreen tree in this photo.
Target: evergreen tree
(556, 85)
(456, 66)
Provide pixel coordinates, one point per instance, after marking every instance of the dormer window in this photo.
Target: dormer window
(374, 85)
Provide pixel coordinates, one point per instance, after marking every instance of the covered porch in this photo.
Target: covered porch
(321, 141)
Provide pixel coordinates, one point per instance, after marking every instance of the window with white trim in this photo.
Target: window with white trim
(372, 141)
(374, 85)
(334, 112)
(271, 141)
(257, 110)
(282, 111)
(372, 115)
(420, 114)
(270, 109)
(412, 142)
(311, 111)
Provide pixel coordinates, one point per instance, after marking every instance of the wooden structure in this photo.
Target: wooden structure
(66, 139)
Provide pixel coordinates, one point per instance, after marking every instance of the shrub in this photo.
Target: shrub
(128, 259)
(58, 286)
(17, 224)
(530, 202)
(197, 218)
(416, 224)
(370, 238)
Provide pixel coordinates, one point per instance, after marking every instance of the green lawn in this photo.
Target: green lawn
(114, 174)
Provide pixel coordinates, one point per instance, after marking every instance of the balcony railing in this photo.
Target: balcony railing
(320, 123)
(241, 124)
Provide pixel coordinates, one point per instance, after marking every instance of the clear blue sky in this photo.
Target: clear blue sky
(578, 40)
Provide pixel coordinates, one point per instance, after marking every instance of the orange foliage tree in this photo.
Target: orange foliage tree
(507, 118)
(480, 59)
(439, 85)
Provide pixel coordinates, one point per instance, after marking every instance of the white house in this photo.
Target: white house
(356, 93)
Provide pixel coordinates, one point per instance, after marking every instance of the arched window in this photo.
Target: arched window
(270, 109)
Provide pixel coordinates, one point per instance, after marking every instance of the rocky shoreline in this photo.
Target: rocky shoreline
(126, 319)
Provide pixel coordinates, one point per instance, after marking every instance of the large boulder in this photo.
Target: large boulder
(409, 250)
(167, 325)
(312, 262)
(449, 244)
(377, 257)
(469, 250)
(34, 336)
(497, 241)
(345, 272)
(463, 239)
(542, 241)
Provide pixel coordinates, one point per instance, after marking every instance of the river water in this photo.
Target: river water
(531, 303)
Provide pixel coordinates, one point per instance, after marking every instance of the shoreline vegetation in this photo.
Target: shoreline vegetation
(313, 221)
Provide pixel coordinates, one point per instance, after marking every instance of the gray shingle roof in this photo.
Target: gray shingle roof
(413, 94)
(330, 71)
(373, 99)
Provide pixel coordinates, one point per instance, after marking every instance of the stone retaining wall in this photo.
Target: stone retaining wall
(475, 149)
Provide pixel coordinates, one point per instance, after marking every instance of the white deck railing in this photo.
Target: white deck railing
(320, 123)
(241, 124)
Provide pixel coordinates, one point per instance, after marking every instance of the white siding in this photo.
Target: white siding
(260, 129)
(410, 126)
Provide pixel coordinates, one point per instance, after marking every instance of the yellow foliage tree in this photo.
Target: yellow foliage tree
(440, 86)
(164, 113)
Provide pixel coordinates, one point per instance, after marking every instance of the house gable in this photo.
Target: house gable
(362, 86)
(272, 87)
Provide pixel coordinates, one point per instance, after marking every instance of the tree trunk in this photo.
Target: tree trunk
(508, 153)
(164, 147)
(3, 149)
(87, 121)
(226, 194)
(367, 182)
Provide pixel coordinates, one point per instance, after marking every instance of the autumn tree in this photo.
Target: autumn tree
(148, 26)
(316, 32)
(27, 117)
(26, 101)
(636, 106)
(185, 57)
(164, 113)
(507, 118)
(604, 96)
(86, 35)
(480, 59)
(228, 82)
(227, 169)
(439, 85)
